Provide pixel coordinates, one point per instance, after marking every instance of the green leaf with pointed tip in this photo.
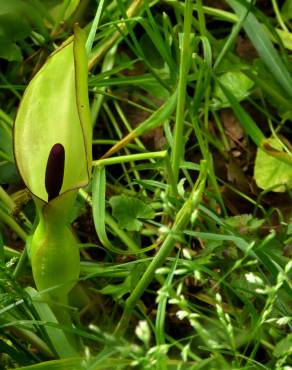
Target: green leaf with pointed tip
(55, 109)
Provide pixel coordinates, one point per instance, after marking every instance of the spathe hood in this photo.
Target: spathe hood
(55, 111)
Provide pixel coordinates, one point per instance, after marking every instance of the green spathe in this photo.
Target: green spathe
(55, 109)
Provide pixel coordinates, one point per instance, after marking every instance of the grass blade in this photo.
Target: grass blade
(264, 47)
(178, 140)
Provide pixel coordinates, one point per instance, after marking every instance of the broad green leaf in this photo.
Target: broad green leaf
(55, 109)
(237, 83)
(270, 171)
(129, 210)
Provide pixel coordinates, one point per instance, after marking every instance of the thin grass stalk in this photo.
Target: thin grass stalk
(178, 141)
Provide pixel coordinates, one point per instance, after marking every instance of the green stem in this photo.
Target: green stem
(21, 263)
(130, 157)
(201, 16)
(170, 176)
(278, 15)
(9, 221)
(6, 199)
(178, 141)
(12, 206)
(10, 252)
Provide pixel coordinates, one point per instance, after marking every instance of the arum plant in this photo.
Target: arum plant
(52, 145)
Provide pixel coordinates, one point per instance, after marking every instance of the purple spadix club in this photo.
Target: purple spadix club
(55, 171)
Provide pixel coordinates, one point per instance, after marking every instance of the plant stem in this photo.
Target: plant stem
(132, 157)
(279, 16)
(178, 141)
(9, 221)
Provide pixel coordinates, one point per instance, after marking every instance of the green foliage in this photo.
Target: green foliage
(270, 172)
(245, 224)
(128, 211)
(283, 348)
(14, 27)
(17, 19)
(237, 83)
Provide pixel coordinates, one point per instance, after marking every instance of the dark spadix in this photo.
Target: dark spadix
(55, 171)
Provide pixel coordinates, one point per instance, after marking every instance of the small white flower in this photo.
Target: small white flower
(253, 279)
(143, 332)
(283, 320)
(181, 314)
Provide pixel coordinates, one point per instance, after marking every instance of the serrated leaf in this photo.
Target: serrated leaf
(270, 171)
(128, 211)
